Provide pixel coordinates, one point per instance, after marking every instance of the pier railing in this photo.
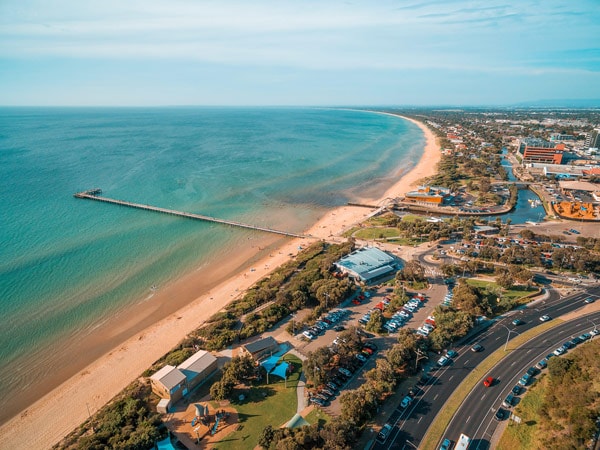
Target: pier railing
(94, 194)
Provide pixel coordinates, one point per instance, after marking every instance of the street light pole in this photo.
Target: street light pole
(508, 335)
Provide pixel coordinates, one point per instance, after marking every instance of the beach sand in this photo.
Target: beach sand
(64, 408)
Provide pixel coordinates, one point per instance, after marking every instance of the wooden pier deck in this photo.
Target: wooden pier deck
(94, 194)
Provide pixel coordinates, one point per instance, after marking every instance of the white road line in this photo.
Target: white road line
(465, 363)
(436, 396)
(468, 418)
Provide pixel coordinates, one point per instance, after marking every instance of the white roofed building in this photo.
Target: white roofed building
(368, 264)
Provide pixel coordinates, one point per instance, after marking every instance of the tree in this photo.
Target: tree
(375, 323)
(266, 437)
(220, 390)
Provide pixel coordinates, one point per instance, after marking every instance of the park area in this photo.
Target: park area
(258, 404)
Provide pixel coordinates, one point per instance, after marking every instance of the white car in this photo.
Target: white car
(545, 318)
(444, 360)
(559, 351)
(594, 332)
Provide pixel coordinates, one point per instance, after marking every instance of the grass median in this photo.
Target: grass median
(443, 418)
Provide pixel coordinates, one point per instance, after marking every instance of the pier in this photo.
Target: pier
(94, 194)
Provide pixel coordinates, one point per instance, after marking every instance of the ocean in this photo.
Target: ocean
(68, 265)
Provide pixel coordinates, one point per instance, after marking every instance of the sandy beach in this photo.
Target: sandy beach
(60, 411)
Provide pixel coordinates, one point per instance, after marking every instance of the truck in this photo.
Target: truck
(463, 442)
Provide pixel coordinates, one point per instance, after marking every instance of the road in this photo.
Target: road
(475, 417)
(410, 426)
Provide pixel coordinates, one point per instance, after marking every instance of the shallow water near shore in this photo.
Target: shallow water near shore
(68, 267)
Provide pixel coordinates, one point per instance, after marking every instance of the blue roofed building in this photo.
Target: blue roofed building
(369, 265)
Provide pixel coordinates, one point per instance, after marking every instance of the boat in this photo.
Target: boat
(535, 203)
(153, 287)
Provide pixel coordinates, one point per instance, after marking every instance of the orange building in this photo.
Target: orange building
(431, 195)
(552, 155)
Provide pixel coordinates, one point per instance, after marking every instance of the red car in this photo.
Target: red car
(488, 381)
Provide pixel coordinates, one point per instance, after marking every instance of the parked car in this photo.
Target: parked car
(384, 433)
(501, 414)
(516, 390)
(559, 351)
(542, 364)
(406, 401)
(509, 401)
(532, 371)
(525, 379)
(444, 360)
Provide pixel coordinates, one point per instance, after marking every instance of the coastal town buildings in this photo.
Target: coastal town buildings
(173, 383)
(262, 347)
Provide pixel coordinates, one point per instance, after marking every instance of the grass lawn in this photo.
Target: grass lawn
(514, 293)
(523, 435)
(272, 404)
(376, 233)
(317, 416)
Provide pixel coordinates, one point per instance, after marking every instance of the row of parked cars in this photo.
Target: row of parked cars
(527, 378)
(399, 318)
(340, 377)
(325, 322)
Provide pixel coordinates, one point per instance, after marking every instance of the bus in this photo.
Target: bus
(463, 442)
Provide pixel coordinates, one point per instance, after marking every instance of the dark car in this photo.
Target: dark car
(517, 322)
(477, 348)
(509, 401)
(517, 389)
(424, 379)
(532, 371)
(371, 346)
(501, 414)
(452, 353)
(339, 328)
(318, 401)
(568, 345)
(332, 386)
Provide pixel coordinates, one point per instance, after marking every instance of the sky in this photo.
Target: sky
(301, 52)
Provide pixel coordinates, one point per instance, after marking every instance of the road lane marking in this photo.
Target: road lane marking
(468, 418)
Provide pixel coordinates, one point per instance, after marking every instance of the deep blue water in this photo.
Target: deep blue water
(67, 265)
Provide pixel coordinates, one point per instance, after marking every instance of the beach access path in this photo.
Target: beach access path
(63, 409)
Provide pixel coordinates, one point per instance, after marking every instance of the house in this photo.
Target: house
(198, 367)
(174, 383)
(260, 348)
(169, 383)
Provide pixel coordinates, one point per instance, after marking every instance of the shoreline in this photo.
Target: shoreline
(44, 422)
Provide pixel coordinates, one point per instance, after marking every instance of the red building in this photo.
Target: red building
(552, 155)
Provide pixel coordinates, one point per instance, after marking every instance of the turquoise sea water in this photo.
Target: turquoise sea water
(67, 265)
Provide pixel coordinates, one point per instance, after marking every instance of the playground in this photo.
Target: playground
(237, 423)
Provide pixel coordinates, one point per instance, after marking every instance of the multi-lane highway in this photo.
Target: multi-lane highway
(411, 424)
(475, 417)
